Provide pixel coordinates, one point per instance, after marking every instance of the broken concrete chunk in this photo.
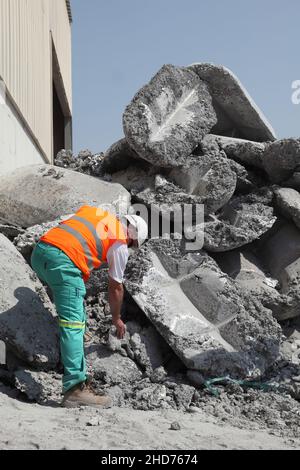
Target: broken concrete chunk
(174, 257)
(169, 116)
(150, 352)
(111, 368)
(238, 115)
(27, 318)
(183, 395)
(26, 241)
(288, 203)
(203, 317)
(249, 273)
(173, 203)
(10, 231)
(2, 353)
(134, 179)
(41, 193)
(244, 180)
(281, 159)
(243, 220)
(244, 151)
(209, 177)
(40, 387)
(119, 156)
(167, 200)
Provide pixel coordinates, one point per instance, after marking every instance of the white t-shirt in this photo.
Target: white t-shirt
(117, 257)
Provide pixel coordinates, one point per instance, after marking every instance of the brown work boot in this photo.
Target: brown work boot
(82, 395)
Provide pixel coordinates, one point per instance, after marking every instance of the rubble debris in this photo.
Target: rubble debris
(276, 411)
(211, 321)
(27, 317)
(85, 162)
(238, 115)
(192, 136)
(151, 397)
(281, 159)
(111, 368)
(183, 396)
(34, 195)
(26, 241)
(41, 387)
(169, 116)
(149, 351)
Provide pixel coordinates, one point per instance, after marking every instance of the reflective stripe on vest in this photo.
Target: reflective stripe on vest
(92, 229)
(82, 241)
(71, 324)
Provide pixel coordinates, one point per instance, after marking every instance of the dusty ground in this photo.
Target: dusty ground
(31, 426)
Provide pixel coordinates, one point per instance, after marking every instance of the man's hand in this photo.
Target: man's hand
(121, 328)
(115, 295)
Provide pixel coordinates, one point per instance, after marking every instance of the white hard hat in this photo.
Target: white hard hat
(140, 228)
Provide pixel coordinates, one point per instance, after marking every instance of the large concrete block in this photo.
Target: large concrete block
(238, 115)
(41, 193)
(27, 319)
(169, 116)
(210, 177)
(206, 319)
(281, 159)
(280, 253)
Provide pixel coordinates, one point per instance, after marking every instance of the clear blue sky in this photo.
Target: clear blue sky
(118, 45)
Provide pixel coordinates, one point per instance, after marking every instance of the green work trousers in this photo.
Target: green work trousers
(56, 269)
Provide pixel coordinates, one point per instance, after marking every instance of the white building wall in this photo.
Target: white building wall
(17, 148)
(27, 29)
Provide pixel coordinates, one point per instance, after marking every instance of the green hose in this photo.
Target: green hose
(243, 383)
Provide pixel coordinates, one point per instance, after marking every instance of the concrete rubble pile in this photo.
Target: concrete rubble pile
(192, 135)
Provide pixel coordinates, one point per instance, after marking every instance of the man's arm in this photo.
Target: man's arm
(117, 257)
(115, 297)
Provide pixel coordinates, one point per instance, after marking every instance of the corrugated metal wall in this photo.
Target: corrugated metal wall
(62, 40)
(26, 60)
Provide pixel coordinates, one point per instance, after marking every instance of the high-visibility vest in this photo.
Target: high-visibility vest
(86, 237)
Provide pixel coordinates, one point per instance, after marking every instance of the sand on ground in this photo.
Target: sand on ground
(31, 426)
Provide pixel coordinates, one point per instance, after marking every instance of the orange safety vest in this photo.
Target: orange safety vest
(86, 237)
